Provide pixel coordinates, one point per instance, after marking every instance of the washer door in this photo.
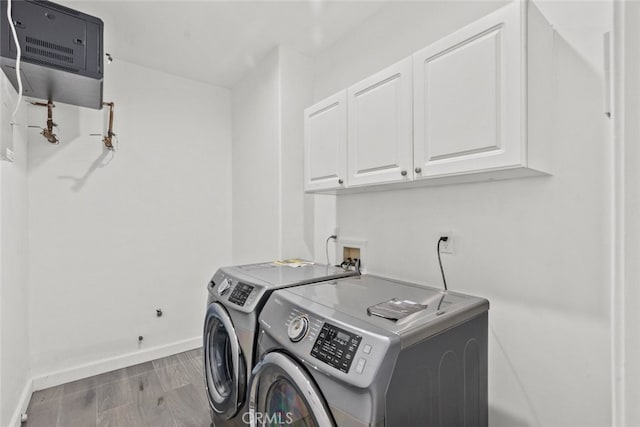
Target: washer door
(224, 366)
(281, 392)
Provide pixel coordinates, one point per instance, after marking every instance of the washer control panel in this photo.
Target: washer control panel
(240, 294)
(298, 328)
(322, 339)
(336, 347)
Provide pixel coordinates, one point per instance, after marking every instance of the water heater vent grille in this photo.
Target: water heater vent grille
(49, 45)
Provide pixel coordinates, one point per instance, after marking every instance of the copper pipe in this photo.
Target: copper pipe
(107, 140)
(50, 117)
(48, 131)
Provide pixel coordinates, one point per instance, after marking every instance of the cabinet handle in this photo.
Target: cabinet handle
(403, 173)
(418, 170)
(340, 181)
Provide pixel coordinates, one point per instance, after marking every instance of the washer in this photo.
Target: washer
(236, 295)
(325, 361)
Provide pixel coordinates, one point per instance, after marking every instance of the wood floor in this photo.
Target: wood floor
(166, 392)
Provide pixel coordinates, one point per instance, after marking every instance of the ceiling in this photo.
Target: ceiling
(217, 42)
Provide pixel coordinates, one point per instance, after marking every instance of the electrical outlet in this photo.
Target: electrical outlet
(446, 247)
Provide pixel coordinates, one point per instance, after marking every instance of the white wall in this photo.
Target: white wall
(113, 237)
(256, 163)
(14, 348)
(628, 163)
(296, 86)
(538, 249)
(272, 218)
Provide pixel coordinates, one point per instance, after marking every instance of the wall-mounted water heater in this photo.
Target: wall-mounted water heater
(62, 52)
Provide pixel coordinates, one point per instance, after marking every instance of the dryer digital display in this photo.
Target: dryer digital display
(240, 293)
(336, 347)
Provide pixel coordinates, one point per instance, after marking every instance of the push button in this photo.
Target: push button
(366, 349)
(360, 365)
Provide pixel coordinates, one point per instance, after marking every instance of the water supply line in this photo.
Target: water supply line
(47, 131)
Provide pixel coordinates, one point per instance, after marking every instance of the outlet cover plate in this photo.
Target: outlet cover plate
(446, 247)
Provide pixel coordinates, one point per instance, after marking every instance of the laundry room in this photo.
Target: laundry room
(320, 213)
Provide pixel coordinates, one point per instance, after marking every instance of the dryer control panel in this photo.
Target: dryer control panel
(241, 296)
(336, 347)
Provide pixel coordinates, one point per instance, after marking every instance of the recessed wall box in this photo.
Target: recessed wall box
(352, 248)
(62, 52)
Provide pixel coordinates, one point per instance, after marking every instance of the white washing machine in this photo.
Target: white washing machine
(236, 296)
(327, 358)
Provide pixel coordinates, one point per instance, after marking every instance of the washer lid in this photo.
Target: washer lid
(353, 297)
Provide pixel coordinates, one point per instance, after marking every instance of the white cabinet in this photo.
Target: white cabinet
(472, 106)
(470, 95)
(325, 143)
(379, 144)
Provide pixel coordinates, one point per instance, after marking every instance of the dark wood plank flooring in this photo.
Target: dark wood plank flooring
(166, 392)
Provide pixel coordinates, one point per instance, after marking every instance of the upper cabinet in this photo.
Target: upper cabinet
(379, 144)
(325, 143)
(470, 94)
(467, 98)
(471, 106)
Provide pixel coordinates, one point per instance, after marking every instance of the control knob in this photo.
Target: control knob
(298, 328)
(224, 287)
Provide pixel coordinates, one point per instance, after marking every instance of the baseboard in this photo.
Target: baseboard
(112, 363)
(21, 408)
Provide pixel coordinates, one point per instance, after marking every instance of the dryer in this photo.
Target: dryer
(328, 359)
(235, 298)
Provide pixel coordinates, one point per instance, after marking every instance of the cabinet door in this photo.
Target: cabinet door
(325, 139)
(380, 129)
(468, 98)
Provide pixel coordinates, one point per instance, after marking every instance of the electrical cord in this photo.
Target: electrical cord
(18, 58)
(326, 246)
(440, 302)
(444, 280)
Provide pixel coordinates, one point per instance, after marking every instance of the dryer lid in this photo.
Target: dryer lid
(284, 275)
